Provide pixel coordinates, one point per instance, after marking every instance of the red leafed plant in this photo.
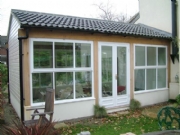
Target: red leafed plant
(18, 128)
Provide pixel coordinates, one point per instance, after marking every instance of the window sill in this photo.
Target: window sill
(64, 101)
(73, 100)
(148, 91)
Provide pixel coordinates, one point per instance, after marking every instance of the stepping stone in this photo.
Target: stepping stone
(84, 133)
(123, 112)
(129, 133)
(59, 125)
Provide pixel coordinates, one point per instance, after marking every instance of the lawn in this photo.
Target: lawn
(133, 122)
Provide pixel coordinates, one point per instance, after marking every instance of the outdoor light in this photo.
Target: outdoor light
(177, 78)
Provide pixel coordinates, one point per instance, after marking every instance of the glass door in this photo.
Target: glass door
(113, 77)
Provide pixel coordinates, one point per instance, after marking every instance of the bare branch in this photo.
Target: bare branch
(108, 14)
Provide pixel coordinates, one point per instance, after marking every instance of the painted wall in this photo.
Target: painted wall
(153, 97)
(68, 111)
(155, 13)
(71, 110)
(14, 66)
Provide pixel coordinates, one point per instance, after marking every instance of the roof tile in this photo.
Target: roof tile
(37, 19)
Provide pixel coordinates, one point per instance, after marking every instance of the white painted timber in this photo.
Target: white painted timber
(14, 65)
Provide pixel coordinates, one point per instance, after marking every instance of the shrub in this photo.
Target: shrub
(177, 99)
(134, 104)
(3, 71)
(18, 128)
(99, 111)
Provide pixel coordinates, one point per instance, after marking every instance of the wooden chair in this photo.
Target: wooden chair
(48, 110)
(169, 118)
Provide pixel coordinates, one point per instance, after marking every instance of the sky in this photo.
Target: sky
(81, 8)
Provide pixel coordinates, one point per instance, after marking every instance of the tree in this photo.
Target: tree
(108, 13)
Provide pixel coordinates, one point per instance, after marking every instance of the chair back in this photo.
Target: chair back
(169, 118)
(49, 100)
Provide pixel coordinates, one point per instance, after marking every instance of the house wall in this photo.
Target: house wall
(14, 66)
(63, 111)
(155, 13)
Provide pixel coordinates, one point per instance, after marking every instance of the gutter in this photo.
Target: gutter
(174, 32)
(21, 73)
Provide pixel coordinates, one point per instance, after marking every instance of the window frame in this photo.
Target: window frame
(151, 66)
(54, 70)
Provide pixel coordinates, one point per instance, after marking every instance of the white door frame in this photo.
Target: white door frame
(115, 100)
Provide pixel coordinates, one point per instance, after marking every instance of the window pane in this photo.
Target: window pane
(140, 55)
(83, 55)
(63, 55)
(139, 79)
(162, 78)
(106, 71)
(40, 82)
(161, 56)
(151, 55)
(151, 79)
(64, 85)
(83, 84)
(43, 55)
(121, 72)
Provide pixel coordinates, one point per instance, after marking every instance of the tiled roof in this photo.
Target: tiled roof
(37, 19)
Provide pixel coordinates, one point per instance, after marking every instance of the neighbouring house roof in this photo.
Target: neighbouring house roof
(134, 18)
(45, 20)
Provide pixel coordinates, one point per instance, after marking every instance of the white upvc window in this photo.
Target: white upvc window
(64, 65)
(150, 64)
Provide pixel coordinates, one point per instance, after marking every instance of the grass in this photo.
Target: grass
(134, 122)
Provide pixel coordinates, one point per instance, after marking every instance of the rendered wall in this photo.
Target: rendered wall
(14, 66)
(153, 97)
(68, 111)
(155, 13)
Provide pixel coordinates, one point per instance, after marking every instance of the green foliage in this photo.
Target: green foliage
(19, 129)
(177, 104)
(3, 71)
(178, 99)
(99, 111)
(134, 104)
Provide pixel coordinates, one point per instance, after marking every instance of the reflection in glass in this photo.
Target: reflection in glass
(83, 85)
(161, 56)
(151, 79)
(83, 54)
(151, 56)
(43, 54)
(64, 85)
(106, 71)
(41, 81)
(140, 56)
(63, 55)
(121, 70)
(162, 78)
(139, 79)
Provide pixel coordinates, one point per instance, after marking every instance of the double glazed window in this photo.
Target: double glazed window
(64, 66)
(150, 67)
